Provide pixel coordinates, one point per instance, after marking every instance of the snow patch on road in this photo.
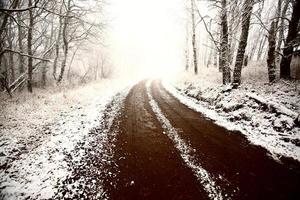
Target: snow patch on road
(185, 150)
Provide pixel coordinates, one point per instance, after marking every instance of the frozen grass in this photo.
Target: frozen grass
(38, 130)
(273, 128)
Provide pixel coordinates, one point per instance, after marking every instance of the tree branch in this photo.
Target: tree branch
(23, 54)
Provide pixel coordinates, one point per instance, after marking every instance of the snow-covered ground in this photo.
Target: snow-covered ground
(38, 131)
(264, 113)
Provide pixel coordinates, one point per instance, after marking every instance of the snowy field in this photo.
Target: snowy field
(37, 132)
(266, 114)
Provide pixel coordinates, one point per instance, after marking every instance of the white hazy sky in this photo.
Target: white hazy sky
(147, 37)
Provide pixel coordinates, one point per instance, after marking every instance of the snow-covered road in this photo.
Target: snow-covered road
(165, 150)
(148, 142)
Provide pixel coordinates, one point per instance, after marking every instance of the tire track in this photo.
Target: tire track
(147, 164)
(247, 172)
(186, 152)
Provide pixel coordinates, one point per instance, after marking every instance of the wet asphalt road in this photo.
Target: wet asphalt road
(150, 167)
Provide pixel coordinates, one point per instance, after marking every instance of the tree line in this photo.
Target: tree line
(275, 41)
(43, 36)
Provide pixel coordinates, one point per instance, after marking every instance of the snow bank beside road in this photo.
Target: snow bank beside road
(239, 110)
(38, 132)
(96, 150)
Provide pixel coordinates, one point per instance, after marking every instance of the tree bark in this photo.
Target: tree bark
(281, 29)
(66, 43)
(234, 20)
(271, 60)
(11, 55)
(187, 60)
(220, 51)
(215, 58)
(246, 17)
(57, 44)
(271, 53)
(20, 44)
(29, 48)
(194, 37)
(285, 65)
(4, 76)
(224, 45)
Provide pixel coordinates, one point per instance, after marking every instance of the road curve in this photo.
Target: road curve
(149, 165)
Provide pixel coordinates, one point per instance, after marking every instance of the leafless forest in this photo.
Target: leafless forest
(39, 40)
(150, 99)
(274, 37)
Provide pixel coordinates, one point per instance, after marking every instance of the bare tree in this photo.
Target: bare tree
(28, 31)
(187, 60)
(65, 40)
(29, 47)
(285, 69)
(272, 44)
(20, 43)
(195, 59)
(246, 17)
(224, 45)
(282, 28)
(3, 28)
(10, 37)
(271, 53)
(58, 40)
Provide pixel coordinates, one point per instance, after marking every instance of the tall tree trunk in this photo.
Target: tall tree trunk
(271, 53)
(281, 29)
(224, 45)
(210, 45)
(272, 44)
(3, 28)
(285, 65)
(4, 75)
(234, 20)
(20, 44)
(187, 60)
(220, 51)
(246, 17)
(215, 57)
(278, 14)
(57, 44)
(44, 74)
(29, 48)
(194, 37)
(66, 42)
(10, 54)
